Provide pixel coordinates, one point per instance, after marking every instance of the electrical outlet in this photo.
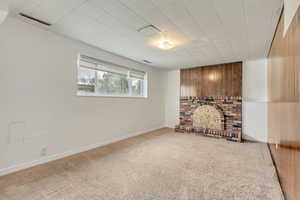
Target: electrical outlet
(44, 151)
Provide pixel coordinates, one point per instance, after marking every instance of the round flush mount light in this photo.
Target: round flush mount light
(165, 44)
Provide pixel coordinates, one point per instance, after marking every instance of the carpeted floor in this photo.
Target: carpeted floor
(162, 165)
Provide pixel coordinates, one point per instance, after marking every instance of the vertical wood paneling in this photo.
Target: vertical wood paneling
(283, 78)
(284, 106)
(216, 80)
(297, 53)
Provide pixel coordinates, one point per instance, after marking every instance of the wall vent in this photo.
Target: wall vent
(35, 19)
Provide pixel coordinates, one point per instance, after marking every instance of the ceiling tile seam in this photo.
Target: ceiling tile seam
(185, 11)
(130, 10)
(102, 24)
(135, 13)
(246, 27)
(266, 39)
(170, 21)
(200, 32)
(138, 15)
(204, 33)
(70, 11)
(121, 24)
(110, 28)
(188, 52)
(266, 35)
(93, 18)
(225, 32)
(17, 5)
(31, 7)
(207, 35)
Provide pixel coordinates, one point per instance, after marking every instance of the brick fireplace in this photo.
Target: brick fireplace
(211, 101)
(223, 121)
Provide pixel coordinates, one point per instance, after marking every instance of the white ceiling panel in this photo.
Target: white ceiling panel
(176, 12)
(119, 11)
(150, 13)
(259, 31)
(50, 11)
(205, 14)
(231, 15)
(104, 19)
(203, 32)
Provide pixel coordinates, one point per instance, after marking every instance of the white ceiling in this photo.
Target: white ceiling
(204, 31)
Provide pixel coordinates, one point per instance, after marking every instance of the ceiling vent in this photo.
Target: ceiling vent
(147, 62)
(35, 19)
(149, 30)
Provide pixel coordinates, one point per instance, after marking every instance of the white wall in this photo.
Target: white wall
(172, 97)
(39, 107)
(255, 100)
(255, 80)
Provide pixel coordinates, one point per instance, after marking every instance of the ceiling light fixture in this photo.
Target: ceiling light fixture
(165, 44)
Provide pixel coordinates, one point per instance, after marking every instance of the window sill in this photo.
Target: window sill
(109, 96)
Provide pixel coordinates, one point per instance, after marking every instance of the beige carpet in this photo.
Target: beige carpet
(159, 166)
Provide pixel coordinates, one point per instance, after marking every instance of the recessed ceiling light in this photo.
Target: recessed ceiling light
(165, 44)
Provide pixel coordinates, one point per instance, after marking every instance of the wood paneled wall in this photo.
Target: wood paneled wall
(284, 63)
(283, 81)
(284, 106)
(215, 80)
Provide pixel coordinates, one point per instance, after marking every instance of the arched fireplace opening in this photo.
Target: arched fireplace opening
(208, 117)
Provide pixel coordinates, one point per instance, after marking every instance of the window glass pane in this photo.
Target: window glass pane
(100, 78)
(86, 79)
(111, 83)
(137, 87)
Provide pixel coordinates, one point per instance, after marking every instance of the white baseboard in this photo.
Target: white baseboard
(249, 138)
(43, 160)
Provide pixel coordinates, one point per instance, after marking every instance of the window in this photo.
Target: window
(100, 78)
